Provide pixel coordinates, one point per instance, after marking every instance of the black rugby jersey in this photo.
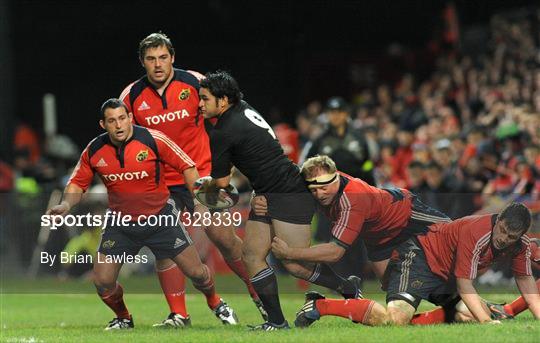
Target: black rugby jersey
(241, 137)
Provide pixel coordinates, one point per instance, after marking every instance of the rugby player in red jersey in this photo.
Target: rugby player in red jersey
(382, 218)
(130, 161)
(440, 267)
(167, 99)
(498, 311)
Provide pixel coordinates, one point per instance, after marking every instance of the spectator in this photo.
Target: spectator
(415, 177)
(341, 142)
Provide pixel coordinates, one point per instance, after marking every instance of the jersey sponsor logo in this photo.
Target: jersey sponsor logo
(184, 94)
(108, 244)
(101, 163)
(142, 155)
(144, 106)
(138, 175)
(166, 117)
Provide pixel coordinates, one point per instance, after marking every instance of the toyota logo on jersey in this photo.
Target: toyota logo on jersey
(170, 116)
(128, 176)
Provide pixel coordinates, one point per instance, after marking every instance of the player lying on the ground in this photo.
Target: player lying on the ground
(167, 99)
(440, 267)
(382, 218)
(242, 138)
(129, 160)
(498, 311)
(357, 310)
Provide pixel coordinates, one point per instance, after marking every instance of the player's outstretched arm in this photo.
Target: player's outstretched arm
(326, 252)
(473, 301)
(529, 291)
(72, 196)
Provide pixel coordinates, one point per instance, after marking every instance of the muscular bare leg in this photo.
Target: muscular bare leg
(296, 236)
(110, 292)
(379, 268)
(299, 236)
(255, 248)
(400, 312)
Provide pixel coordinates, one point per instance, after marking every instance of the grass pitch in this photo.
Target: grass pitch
(71, 312)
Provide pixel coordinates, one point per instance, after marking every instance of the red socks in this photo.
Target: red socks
(516, 307)
(435, 316)
(356, 310)
(519, 305)
(208, 289)
(237, 266)
(115, 300)
(173, 284)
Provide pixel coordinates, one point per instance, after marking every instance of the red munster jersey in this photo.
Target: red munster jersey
(374, 214)
(175, 113)
(462, 247)
(133, 173)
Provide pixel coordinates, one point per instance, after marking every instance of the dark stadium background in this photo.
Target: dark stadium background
(284, 53)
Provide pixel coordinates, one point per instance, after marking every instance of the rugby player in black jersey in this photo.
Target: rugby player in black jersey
(243, 139)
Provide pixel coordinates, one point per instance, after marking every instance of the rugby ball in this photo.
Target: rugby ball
(220, 198)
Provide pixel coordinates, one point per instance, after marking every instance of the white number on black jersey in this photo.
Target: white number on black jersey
(256, 119)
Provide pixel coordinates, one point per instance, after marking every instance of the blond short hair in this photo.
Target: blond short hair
(320, 162)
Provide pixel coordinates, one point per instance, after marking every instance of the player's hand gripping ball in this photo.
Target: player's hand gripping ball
(213, 197)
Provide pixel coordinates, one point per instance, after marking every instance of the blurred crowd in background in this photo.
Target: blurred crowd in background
(466, 139)
(473, 126)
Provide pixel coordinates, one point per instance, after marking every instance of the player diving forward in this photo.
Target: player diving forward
(382, 218)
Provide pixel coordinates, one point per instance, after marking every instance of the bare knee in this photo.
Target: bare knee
(164, 264)
(227, 242)
(379, 268)
(397, 317)
(220, 240)
(377, 316)
(197, 273)
(400, 312)
(250, 255)
(463, 314)
(103, 280)
(247, 255)
(463, 318)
